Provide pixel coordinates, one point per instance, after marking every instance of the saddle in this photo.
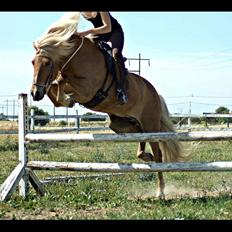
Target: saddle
(107, 52)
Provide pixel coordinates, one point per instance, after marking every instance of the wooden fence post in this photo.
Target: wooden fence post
(77, 122)
(32, 125)
(23, 153)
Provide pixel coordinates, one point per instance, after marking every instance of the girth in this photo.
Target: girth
(100, 95)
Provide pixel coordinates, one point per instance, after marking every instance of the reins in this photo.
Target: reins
(70, 58)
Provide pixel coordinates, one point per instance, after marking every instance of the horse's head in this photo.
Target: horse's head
(56, 42)
(43, 74)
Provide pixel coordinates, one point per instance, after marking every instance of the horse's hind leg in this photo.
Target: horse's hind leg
(151, 126)
(125, 125)
(129, 125)
(158, 159)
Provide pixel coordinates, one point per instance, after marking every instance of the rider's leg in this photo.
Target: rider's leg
(117, 41)
(120, 76)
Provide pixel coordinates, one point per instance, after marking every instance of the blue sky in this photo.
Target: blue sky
(190, 55)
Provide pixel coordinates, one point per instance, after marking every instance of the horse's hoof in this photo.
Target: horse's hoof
(71, 103)
(145, 156)
(160, 195)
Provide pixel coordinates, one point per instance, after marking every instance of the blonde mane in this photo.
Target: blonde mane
(56, 41)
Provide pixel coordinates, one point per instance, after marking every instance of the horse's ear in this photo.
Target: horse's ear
(35, 46)
(51, 30)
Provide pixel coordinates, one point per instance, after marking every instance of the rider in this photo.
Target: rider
(106, 28)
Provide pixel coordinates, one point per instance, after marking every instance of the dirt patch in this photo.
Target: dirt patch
(175, 191)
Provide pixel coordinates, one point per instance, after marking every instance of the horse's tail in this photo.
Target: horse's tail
(171, 149)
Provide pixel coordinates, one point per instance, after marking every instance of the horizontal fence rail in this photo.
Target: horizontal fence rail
(201, 115)
(43, 117)
(130, 167)
(8, 132)
(77, 130)
(61, 116)
(131, 137)
(78, 118)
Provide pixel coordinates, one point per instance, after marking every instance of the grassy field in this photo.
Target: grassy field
(199, 195)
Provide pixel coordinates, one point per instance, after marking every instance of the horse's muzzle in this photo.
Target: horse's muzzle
(37, 92)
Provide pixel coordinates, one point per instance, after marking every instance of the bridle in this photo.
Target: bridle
(44, 53)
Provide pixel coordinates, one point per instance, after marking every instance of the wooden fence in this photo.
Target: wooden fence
(23, 173)
(79, 118)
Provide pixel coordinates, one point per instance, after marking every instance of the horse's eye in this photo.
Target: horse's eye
(47, 63)
(33, 62)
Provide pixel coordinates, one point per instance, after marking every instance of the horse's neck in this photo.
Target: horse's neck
(86, 71)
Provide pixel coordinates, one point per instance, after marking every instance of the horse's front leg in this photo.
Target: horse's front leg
(52, 94)
(61, 97)
(56, 95)
(142, 154)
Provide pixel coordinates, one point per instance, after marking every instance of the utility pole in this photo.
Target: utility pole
(190, 112)
(7, 108)
(139, 59)
(189, 118)
(13, 109)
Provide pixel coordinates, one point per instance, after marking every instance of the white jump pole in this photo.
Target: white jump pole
(23, 125)
(131, 137)
(131, 167)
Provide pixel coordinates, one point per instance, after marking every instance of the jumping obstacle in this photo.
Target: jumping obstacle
(23, 173)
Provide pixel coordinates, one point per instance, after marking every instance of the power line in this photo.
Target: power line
(213, 96)
(178, 96)
(202, 57)
(212, 104)
(200, 96)
(214, 60)
(179, 103)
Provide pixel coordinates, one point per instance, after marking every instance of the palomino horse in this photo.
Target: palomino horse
(70, 69)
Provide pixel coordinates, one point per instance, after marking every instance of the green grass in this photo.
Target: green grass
(198, 195)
